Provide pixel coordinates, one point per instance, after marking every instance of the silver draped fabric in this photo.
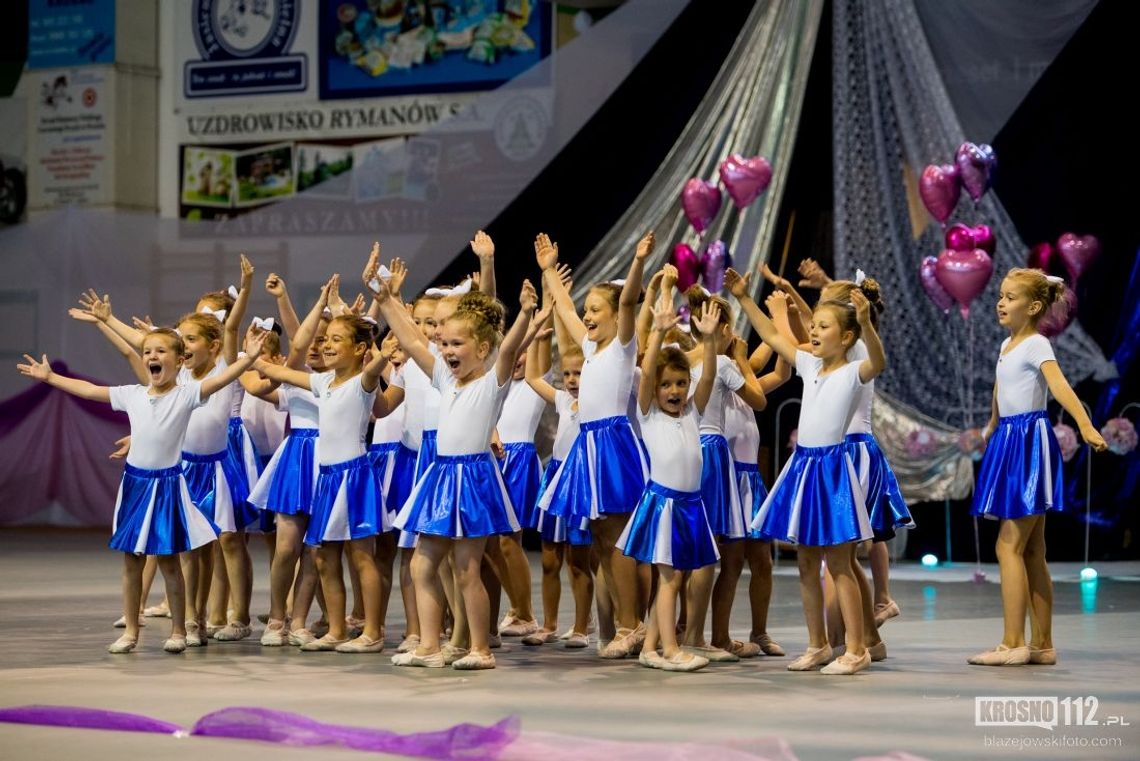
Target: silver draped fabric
(752, 108)
(891, 117)
(943, 472)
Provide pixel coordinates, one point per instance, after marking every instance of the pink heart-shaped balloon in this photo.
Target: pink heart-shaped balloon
(701, 201)
(745, 179)
(1058, 316)
(964, 275)
(959, 237)
(687, 264)
(1040, 257)
(974, 167)
(940, 190)
(1077, 253)
(714, 261)
(934, 290)
(984, 238)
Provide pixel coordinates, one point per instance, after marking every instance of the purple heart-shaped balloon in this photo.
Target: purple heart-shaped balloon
(1059, 315)
(1078, 253)
(959, 237)
(940, 190)
(687, 264)
(984, 238)
(745, 179)
(964, 275)
(1040, 256)
(934, 290)
(701, 201)
(714, 261)
(973, 169)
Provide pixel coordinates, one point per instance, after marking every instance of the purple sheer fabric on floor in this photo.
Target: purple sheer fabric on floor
(85, 718)
(55, 452)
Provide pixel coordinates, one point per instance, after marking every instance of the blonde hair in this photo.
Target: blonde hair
(841, 291)
(209, 325)
(483, 316)
(845, 313)
(671, 358)
(698, 297)
(218, 300)
(1038, 286)
(170, 335)
(361, 330)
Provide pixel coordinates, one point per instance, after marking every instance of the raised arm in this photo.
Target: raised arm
(664, 318)
(535, 370)
(401, 324)
(802, 308)
(738, 286)
(138, 367)
(631, 290)
(237, 314)
(484, 248)
(42, 372)
(752, 392)
(1061, 390)
(645, 312)
(706, 324)
(546, 253)
(299, 346)
(100, 308)
(275, 287)
(253, 347)
(370, 375)
(512, 342)
(876, 360)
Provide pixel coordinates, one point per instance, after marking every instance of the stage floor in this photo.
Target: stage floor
(61, 592)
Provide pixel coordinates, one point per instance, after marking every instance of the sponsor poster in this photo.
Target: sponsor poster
(71, 155)
(68, 33)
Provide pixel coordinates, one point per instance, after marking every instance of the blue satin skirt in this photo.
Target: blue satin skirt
(670, 527)
(289, 481)
(396, 472)
(155, 516)
(752, 491)
(885, 505)
(460, 496)
(426, 455)
(604, 474)
(217, 489)
(719, 489)
(551, 528)
(522, 471)
(816, 501)
(348, 504)
(1021, 471)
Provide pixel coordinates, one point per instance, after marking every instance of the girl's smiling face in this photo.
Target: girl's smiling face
(341, 351)
(465, 356)
(599, 317)
(315, 359)
(672, 389)
(827, 336)
(162, 360)
(571, 374)
(423, 315)
(201, 352)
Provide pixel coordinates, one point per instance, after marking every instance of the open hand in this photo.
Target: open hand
(40, 370)
(646, 245)
(737, 283)
(482, 245)
(274, 285)
(708, 320)
(545, 252)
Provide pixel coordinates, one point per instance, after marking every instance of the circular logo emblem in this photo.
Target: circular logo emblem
(520, 128)
(228, 29)
(89, 97)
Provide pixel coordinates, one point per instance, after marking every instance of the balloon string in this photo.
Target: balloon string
(787, 242)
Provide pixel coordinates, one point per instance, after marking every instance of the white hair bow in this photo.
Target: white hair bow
(263, 324)
(671, 346)
(860, 276)
(440, 293)
(232, 291)
(176, 330)
(219, 313)
(369, 319)
(704, 290)
(1054, 279)
(384, 274)
(684, 327)
(619, 283)
(327, 313)
(463, 288)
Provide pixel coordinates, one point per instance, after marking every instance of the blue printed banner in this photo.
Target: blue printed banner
(68, 33)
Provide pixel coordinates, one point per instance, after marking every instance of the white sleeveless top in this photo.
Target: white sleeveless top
(158, 423)
(828, 401)
(607, 380)
(674, 445)
(1021, 387)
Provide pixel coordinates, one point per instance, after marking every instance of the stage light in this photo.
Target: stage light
(929, 561)
(1088, 574)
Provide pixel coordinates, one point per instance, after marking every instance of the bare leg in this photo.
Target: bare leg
(408, 592)
(665, 607)
(1040, 588)
(357, 595)
(621, 570)
(362, 553)
(699, 594)
(724, 592)
(551, 583)
(1013, 538)
(218, 588)
(305, 587)
(870, 631)
(604, 599)
(516, 579)
(468, 554)
(289, 536)
(759, 556)
(385, 557)
(332, 583)
(238, 568)
(492, 583)
(809, 560)
(581, 584)
(881, 573)
(836, 631)
(150, 568)
(645, 589)
(839, 561)
(132, 592)
(175, 592)
(429, 553)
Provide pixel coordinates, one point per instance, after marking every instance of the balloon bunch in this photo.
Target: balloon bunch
(1076, 253)
(744, 179)
(960, 273)
(941, 185)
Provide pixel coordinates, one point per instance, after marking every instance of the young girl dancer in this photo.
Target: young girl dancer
(605, 472)
(1021, 477)
(348, 505)
(461, 498)
(728, 515)
(817, 501)
(288, 485)
(669, 528)
(153, 513)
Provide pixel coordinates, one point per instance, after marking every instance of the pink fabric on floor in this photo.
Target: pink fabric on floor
(549, 746)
